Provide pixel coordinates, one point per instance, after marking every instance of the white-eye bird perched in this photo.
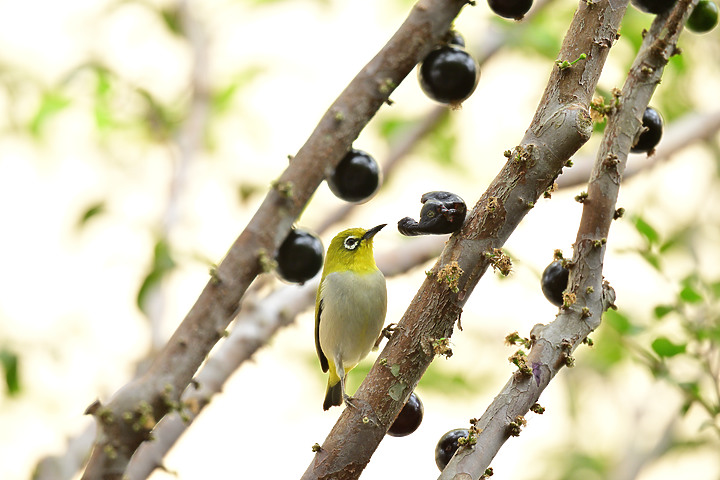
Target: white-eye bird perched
(350, 308)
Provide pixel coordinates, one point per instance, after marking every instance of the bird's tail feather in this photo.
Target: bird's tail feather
(333, 394)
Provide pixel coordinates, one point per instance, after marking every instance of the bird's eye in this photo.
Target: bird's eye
(351, 243)
(430, 214)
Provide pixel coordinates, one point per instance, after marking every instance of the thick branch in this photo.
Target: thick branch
(126, 421)
(561, 125)
(554, 343)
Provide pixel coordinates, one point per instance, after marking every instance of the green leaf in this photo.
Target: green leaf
(652, 258)
(608, 350)
(715, 289)
(647, 231)
(162, 264)
(222, 99)
(391, 127)
(677, 239)
(10, 362)
(171, 18)
(92, 211)
(661, 310)
(690, 295)
(619, 322)
(50, 104)
(664, 347)
(441, 143)
(103, 110)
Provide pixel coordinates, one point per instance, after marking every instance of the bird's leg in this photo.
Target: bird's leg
(347, 398)
(385, 333)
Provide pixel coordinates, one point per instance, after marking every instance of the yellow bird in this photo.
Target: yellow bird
(350, 308)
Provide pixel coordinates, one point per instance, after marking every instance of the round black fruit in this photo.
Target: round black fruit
(356, 178)
(300, 256)
(448, 445)
(449, 74)
(515, 9)
(704, 17)
(652, 126)
(409, 418)
(554, 282)
(654, 6)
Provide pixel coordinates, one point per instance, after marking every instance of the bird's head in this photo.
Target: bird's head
(351, 249)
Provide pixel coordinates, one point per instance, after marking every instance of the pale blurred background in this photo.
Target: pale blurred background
(120, 186)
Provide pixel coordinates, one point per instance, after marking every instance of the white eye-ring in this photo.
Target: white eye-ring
(351, 243)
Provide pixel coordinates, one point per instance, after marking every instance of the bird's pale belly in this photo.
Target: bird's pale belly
(352, 321)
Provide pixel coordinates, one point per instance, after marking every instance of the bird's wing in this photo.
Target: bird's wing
(318, 315)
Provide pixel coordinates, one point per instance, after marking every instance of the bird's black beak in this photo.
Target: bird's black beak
(371, 233)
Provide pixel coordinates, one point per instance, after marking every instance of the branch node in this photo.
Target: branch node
(500, 261)
(441, 346)
(565, 353)
(267, 262)
(519, 359)
(515, 427)
(214, 275)
(565, 64)
(569, 298)
(450, 275)
(285, 189)
(515, 339)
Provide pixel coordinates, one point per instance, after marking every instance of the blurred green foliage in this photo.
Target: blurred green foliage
(10, 361)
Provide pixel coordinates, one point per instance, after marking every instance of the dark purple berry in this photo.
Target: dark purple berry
(455, 38)
(442, 212)
(654, 6)
(300, 256)
(409, 418)
(449, 74)
(448, 445)
(515, 9)
(554, 282)
(652, 129)
(356, 178)
(704, 17)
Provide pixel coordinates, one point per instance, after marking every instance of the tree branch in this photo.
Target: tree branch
(691, 128)
(554, 343)
(127, 419)
(560, 126)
